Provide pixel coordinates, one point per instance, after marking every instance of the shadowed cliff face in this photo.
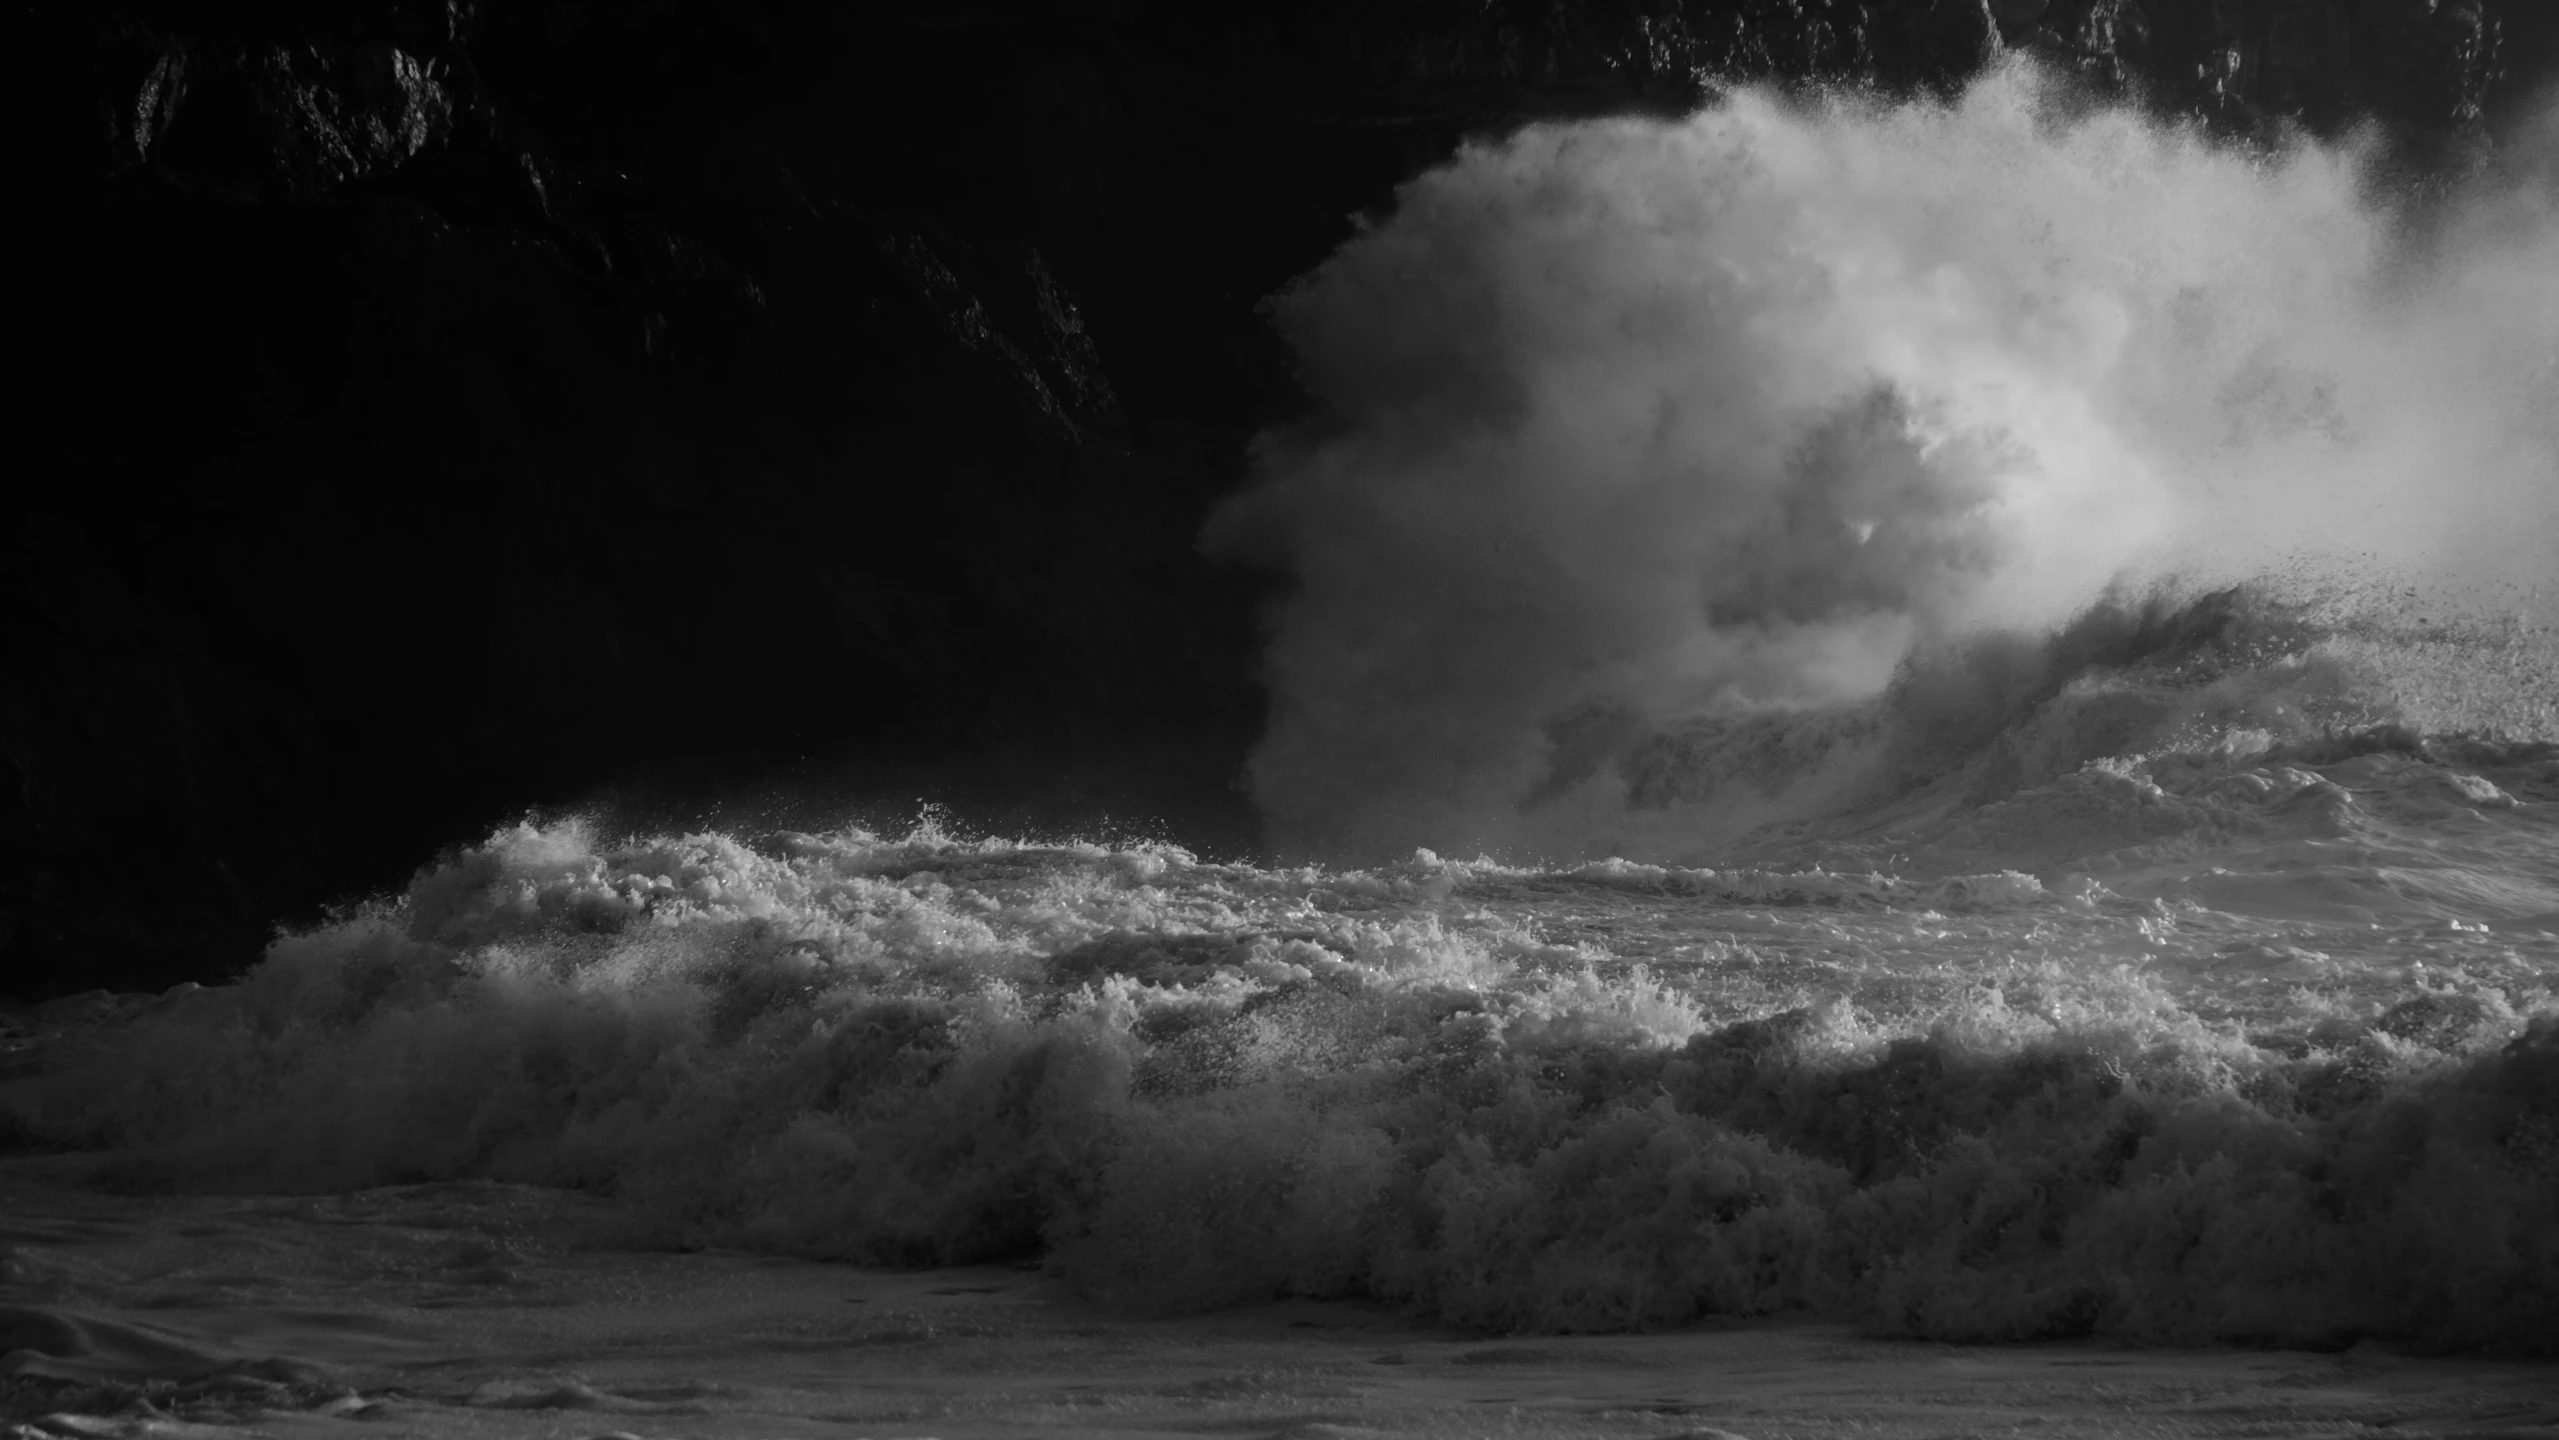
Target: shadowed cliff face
(438, 411)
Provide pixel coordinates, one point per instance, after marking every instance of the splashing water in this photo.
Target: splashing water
(1628, 423)
(1979, 1106)
(1898, 918)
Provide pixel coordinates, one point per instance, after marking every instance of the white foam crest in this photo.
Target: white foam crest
(1609, 1095)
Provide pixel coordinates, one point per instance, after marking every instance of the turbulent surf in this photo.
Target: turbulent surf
(1934, 714)
(2107, 1020)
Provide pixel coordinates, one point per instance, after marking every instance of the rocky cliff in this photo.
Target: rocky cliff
(434, 409)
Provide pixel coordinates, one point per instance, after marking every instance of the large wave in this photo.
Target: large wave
(2170, 961)
(1612, 1096)
(1634, 428)
(2163, 988)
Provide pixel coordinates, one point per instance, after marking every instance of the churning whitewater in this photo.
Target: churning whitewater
(1623, 424)
(1930, 714)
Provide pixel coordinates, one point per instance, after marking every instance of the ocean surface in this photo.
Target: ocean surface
(2182, 990)
(1936, 716)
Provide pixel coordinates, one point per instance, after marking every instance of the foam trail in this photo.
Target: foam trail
(1622, 423)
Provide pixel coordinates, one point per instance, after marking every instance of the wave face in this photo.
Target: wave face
(1623, 426)
(1886, 919)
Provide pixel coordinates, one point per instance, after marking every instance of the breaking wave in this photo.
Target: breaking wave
(2256, 1041)
(1635, 432)
(1904, 899)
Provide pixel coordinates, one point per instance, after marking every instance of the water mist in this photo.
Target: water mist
(1621, 423)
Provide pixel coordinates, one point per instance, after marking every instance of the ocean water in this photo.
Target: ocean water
(1944, 716)
(2121, 1024)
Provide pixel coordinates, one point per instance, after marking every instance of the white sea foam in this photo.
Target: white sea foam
(2189, 1094)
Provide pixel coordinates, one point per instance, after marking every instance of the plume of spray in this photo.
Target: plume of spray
(1622, 422)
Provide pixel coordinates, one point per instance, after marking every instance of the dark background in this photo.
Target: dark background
(430, 411)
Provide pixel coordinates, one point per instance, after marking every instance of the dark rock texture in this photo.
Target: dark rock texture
(433, 409)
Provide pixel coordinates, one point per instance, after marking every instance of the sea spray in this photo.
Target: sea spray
(1623, 425)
